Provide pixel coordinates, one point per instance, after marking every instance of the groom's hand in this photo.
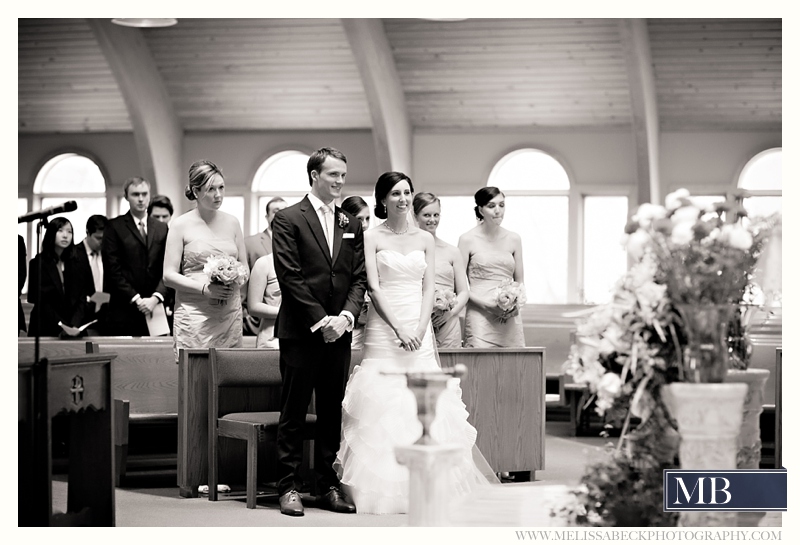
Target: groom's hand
(334, 328)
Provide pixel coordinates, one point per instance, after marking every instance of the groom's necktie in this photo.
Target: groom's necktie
(142, 229)
(327, 217)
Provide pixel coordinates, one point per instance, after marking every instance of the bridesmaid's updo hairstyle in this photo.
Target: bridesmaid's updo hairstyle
(382, 188)
(421, 200)
(200, 174)
(482, 198)
(354, 205)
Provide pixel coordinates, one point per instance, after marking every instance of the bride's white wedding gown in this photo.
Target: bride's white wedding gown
(380, 412)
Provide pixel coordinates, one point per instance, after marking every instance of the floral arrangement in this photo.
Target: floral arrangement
(344, 221)
(619, 490)
(509, 296)
(705, 255)
(444, 299)
(627, 349)
(623, 349)
(225, 269)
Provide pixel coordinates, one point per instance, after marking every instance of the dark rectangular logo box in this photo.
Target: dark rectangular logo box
(729, 490)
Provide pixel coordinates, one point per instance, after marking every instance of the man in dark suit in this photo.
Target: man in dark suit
(133, 262)
(319, 261)
(260, 244)
(89, 265)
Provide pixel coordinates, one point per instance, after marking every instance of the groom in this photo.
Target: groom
(319, 261)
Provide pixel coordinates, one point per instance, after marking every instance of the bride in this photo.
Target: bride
(378, 411)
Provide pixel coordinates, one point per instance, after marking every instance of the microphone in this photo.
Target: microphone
(68, 206)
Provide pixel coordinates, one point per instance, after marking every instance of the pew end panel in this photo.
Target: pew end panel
(504, 392)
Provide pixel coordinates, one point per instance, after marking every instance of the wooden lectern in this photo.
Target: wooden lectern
(79, 386)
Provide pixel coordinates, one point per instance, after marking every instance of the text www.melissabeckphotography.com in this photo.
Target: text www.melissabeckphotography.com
(648, 535)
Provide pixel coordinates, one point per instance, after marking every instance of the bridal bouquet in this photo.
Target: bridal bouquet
(444, 299)
(509, 296)
(225, 269)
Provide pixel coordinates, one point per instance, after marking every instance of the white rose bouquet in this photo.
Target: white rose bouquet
(509, 296)
(225, 269)
(444, 299)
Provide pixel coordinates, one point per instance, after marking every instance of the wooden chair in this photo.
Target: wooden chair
(249, 418)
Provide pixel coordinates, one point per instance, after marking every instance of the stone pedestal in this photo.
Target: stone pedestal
(749, 441)
(429, 481)
(709, 420)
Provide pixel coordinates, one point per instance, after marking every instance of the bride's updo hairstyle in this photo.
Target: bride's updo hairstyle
(200, 174)
(382, 188)
(482, 198)
(424, 199)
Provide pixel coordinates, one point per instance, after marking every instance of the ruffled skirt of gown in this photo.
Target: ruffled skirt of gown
(380, 413)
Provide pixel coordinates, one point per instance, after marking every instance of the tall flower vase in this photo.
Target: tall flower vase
(709, 419)
(706, 353)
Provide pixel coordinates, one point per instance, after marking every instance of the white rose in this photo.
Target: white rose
(673, 200)
(685, 214)
(610, 385)
(648, 212)
(637, 242)
(682, 233)
(737, 236)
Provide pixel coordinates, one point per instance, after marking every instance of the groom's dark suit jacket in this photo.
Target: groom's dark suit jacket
(314, 284)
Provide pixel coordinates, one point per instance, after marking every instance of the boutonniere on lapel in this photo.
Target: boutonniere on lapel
(344, 221)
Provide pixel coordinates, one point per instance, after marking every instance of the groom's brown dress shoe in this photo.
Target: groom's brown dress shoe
(291, 504)
(335, 501)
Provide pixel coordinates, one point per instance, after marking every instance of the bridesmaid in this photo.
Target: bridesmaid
(360, 209)
(492, 254)
(206, 313)
(264, 300)
(450, 272)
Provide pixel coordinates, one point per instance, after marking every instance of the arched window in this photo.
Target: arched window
(282, 175)
(762, 177)
(66, 177)
(537, 187)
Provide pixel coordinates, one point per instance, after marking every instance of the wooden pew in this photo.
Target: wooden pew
(145, 386)
(80, 387)
(193, 371)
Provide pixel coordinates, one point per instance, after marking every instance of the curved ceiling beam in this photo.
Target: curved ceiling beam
(391, 126)
(642, 84)
(156, 129)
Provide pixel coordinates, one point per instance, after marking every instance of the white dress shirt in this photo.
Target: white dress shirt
(327, 221)
(96, 264)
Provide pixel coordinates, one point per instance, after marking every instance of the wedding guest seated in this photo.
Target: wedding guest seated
(58, 304)
(89, 264)
(360, 209)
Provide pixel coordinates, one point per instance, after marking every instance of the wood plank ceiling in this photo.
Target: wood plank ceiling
(493, 74)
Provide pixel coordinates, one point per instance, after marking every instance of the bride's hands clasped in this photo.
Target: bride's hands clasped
(408, 340)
